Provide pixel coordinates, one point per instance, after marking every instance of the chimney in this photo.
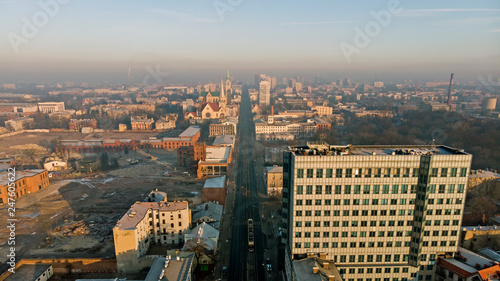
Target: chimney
(272, 109)
(322, 256)
(315, 269)
(449, 92)
(325, 265)
(310, 255)
(331, 278)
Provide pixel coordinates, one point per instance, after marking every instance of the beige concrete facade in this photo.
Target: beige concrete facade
(375, 210)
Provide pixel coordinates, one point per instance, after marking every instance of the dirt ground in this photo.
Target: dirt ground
(75, 216)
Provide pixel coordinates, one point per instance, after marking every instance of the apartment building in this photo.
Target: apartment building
(274, 180)
(375, 211)
(147, 223)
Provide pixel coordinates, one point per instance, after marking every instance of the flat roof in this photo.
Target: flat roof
(313, 148)
(176, 270)
(460, 265)
(483, 174)
(28, 272)
(137, 212)
(224, 140)
(189, 132)
(219, 152)
(217, 182)
(274, 169)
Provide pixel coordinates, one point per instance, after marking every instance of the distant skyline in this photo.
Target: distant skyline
(95, 41)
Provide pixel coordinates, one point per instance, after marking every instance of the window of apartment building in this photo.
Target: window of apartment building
(299, 189)
(401, 212)
(309, 173)
(432, 188)
(357, 189)
(440, 201)
(444, 172)
(387, 173)
(392, 212)
(383, 212)
(394, 201)
(453, 172)
(447, 212)
(298, 245)
(373, 223)
(451, 188)
(326, 224)
(463, 172)
(397, 172)
(335, 223)
(298, 202)
(434, 172)
(392, 223)
(385, 189)
(338, 189)
(352, 245)
(390, 234)
(402, 201)
(317, 202)
(461, 188)
(298, 224)
(328, 189)
(344, 234)
(439, 212)
(308, 202)
(366, 201)
(374, 201)
(329, 173)
(307, 234)
(368, 173)
(316, 234)
(308, 189)
(342, 258)
(325, 244)
(335, 245)
(358, 172)
(364, 223)
(308, 224)
(347, 201)
(298, 234)
(307, 245)
(378, 258)
(298, 213)
(335, 234)
(355, 213)
(376, 189)
(336, 202)
(348, 173)
(352, 258)
(354, 223)
(336, 213)
(317, 213)
(319, 173)
(347, 189)
(355, 201)
(378, 172)
(300, 173)
(442, 187)
(338, 173)
(430, 201)
(384, 201)
(345, 213)
(319, 189)
(327, 202)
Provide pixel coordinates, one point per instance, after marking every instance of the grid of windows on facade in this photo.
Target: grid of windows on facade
(379, 172)
(379, 189)
(384, 271)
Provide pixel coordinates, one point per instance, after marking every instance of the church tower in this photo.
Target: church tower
(222, 100)
(229, 91)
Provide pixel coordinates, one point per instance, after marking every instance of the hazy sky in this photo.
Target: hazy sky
(97, 40)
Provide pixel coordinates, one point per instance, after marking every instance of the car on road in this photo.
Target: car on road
(269, 267)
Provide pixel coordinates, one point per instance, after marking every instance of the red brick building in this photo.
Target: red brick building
(26, 181)
(214, 190)
(188, 156)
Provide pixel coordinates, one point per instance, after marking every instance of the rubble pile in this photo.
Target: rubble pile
(76, 229)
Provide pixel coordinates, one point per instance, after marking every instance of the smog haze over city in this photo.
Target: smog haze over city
(97, 40)
(238, 140)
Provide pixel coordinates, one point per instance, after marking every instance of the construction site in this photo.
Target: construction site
(75, 215)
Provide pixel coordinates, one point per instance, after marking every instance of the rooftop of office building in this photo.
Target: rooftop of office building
(316, 148)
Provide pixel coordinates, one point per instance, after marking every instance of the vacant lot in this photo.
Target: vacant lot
(75, 216)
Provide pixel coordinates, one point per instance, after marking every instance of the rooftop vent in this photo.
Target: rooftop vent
(325, 265)
(315, 269)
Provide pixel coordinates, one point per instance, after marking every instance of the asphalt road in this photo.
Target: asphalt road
(243, 264)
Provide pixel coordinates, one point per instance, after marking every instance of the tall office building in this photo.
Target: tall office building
(264, 93)
(378, 212)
